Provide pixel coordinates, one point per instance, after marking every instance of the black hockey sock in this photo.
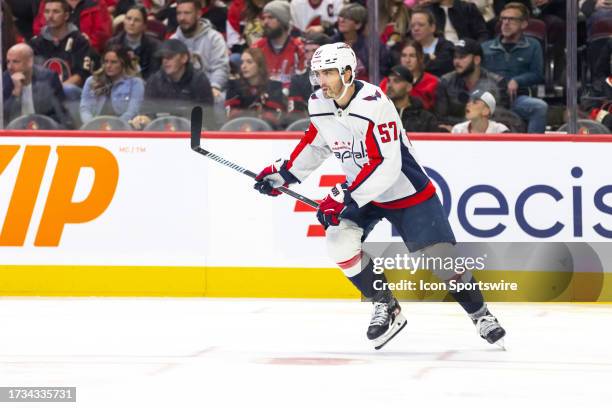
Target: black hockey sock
(470, 300)
(364, 281)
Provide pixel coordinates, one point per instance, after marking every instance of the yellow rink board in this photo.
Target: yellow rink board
(64, 280)
(174, 281)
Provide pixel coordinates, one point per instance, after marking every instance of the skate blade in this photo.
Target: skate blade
(501, 343)
(398, 324)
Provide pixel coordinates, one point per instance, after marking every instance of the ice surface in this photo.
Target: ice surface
(301, 353)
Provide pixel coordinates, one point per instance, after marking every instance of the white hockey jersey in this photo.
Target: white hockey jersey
(304, 15)
(369, 141)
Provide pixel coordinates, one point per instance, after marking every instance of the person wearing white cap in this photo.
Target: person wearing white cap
(478, 111)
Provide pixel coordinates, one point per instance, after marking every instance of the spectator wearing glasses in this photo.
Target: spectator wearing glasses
(519, 60)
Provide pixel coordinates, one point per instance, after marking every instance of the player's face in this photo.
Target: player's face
(134, 24)
(420, 28)
(409, 59)
(248, 68)
(112, 65)
(512, 23)
(187, 16)
(397, 88)
(330, 82)
(55, 15)
(475, 109)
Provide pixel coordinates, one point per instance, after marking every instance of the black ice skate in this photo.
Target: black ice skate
(387, 319)
(489, 329)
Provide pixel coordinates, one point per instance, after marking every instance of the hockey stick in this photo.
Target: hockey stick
(196, 129)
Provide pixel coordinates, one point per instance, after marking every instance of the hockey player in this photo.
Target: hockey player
(387, 183)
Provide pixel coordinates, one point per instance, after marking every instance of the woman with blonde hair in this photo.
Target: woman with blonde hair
(114, 89)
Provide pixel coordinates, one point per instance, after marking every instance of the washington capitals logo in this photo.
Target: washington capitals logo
(372, 97)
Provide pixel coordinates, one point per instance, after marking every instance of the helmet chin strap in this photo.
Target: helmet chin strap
(346, 87)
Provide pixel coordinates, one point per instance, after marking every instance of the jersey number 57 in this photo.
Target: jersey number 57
(384, 129)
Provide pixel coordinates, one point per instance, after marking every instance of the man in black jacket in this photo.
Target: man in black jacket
(414, 117)
(455, 87)
(176, 88)
(63, 49)
(459, 19)
(29, 89)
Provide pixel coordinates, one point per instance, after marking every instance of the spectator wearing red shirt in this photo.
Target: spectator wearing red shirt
(425, 84)
(90, 16)
(284, 55)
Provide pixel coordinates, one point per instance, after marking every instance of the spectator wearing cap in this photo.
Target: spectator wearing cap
(284, 55)
(114, 89)
(91, 17)
(176, 88)
(469, 75)
(438, 50)
(29, 89)
(63, 49)
(479, 109)
(519, 60)
(459, 19)
(410, 109)
(425, 84)
(254, 93)
(351, 26)
(315, 16)
(206, 45)
(301, 87)
(141, 46)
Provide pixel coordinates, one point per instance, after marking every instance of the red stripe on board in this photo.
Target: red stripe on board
(331, 180)
(282, 135)
(315, 231)
(303, 207)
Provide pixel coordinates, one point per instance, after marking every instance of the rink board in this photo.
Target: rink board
(139, 214)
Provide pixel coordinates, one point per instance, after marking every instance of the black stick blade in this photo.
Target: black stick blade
(196, 126)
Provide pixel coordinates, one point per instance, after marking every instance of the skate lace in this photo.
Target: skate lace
(380, 314)
(486, 324)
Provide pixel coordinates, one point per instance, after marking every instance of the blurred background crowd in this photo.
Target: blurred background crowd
(480, 66)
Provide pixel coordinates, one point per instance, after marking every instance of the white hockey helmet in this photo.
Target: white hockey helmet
(329, 56)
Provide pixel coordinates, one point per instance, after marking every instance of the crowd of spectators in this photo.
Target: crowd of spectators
(448, 65)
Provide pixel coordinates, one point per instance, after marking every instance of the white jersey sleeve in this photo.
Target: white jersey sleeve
(309, 154)
(383, 141)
